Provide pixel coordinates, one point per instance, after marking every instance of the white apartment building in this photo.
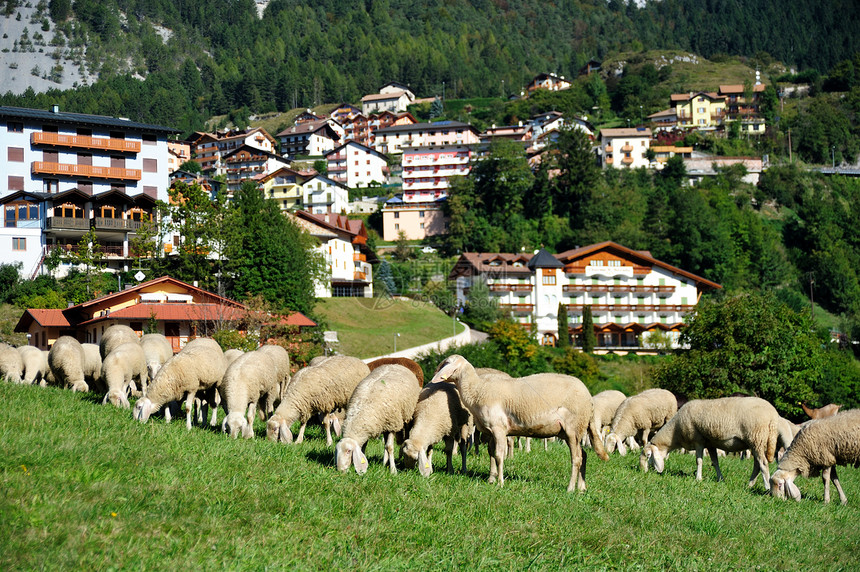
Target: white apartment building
(65, 173)
(321, 194)
(210, 148)
(631, 294)
(625, 147)
(356, 165)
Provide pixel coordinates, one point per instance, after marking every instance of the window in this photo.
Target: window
(69, 210)
(396, 215)
(15, 183)
(548, 280)
(684, 301)
(85, 187)
(421, 225)
(702, 110)
(148, 139)
(150, 165)
(117, 135)
(50, 185)
(107, 211)
(85, 159)
(420, 214)
(14, 127)
(50, 128)
(84, 132)
(396, 227)
(20, 211)
(15, 154)
(19, 243)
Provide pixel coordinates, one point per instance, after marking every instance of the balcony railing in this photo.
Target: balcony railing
(360, 276)
(627, 160)
(616, 288)
(66, 223)
(627, 148)
(608, 148)
(359, 257)
(338, 157)
(86, 171)
(517, 308)
(664, 308)
(85, 142)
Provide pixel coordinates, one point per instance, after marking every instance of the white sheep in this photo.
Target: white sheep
(125, 364)
(66, 360)
(34, 364)
(333, 420)
(11, 364)
(198, 367)
(787, 433)
(115, 336)
(382, 404)
(281, 360)
(93, 367)
(250, 378)
(231, 355)
(47, 375)
(321, 388)
(157, 349)
(640, 414)
(439, 415)
(819, 447)
(540, 405)
(605, 405)
(732, 424)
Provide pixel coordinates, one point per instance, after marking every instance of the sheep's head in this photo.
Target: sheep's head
(652, 457)
(278, 430)
(116, 398)
(143, 409)
(782, 485)
(410, 453)
(610, 442)
(235, 424)
(348, 452)
(450, 369)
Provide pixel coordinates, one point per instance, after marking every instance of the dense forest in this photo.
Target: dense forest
(219, 56)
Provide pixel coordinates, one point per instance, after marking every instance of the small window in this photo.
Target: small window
(50, 185)
(85, 159)
(548, 280)
(148, 139)
(19, 243)
(150, 165)
(421, 225)
(15, 127)
(15, 154)
(396, 227)
(15, 183)
(396, 215)
(420, 214)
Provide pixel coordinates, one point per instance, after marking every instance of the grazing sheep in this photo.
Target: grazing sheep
(645, 412)
(115, 336)
(439, 415)
(93, 367)
(66, 360)
(732, 424)
(281, 361)
(312, 390)
(605, 405)
(48, 375)
(250, 378)
(333, 420)
(231, 355)
(540, 405)
(822, 412)
(34, 364)
(382, 404)
(11, 364)
(120, 368)
(198, 367)
(819, 447)
(157, 350)
(409, 364)
(787, 432)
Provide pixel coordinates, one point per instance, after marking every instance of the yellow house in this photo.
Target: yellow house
(699, 110)
(285, 187)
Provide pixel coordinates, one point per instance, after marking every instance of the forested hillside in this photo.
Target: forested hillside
(300, 54)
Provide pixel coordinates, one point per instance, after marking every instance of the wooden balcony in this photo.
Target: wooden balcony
(627, 160)
(85, 142)
(608, 148)
(359, 257)
(102, 223)
(499, 288)
(85, 171)
(359, 276)
(660, 308)
(627, 148)
(517, 308)
(609, 160)
(521, 287)
(66, 223)
(604, 288)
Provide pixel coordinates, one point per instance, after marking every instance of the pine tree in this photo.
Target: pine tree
(563, 329)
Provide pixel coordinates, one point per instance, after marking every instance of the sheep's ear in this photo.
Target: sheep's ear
(359, 460)
(425, 466)
(335, 423)
(105, 400)
(285, 434)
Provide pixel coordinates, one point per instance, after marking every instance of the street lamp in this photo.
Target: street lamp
(833, 154)
(395, 342)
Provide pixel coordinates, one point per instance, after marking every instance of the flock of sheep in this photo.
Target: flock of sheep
(388, 398)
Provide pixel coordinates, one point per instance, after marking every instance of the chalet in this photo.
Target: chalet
(632, 295)
(210, 148)
(249, 163)
(178, 310)
(305, 190)
(309, 139)
(548, 81)
(625, 147)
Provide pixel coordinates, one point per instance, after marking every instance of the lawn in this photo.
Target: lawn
(366, 327)
(86, 487)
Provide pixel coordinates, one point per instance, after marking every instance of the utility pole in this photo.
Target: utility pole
(811, 276)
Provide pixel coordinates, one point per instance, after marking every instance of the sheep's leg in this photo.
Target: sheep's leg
(825, 478)
(476, 441)
(464, 450)
(189, 409)
(450, 444)
(700, 451)
(301, 436)
(575, 466)
(842, 498)
(491, 451)
(760, 466)
(502, 441)
(328, 439)
(389, 451)
(510, 450)
(528, 444)
(715, 462)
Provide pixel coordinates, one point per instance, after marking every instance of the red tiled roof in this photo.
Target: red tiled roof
(45, 318)
(174, 313)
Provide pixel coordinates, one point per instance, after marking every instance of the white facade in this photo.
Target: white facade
(622, 148)
(210, 148)
(321, 194)
(355, 165)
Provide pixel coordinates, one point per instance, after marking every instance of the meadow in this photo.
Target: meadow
(84, 486)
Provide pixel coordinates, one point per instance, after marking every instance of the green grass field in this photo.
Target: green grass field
(366, 327)
(86, 487)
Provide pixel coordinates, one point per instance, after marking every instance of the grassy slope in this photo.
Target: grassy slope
(366, 326)
(94, 489)
(9, 316)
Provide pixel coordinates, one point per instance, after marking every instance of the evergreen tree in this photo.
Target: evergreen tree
(589, 340)
(436, 108)
(563, 328)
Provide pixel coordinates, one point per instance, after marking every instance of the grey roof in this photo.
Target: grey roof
(426, 127)
(79, 119)
(544, 259)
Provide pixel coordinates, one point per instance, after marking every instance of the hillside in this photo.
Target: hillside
(367, 327)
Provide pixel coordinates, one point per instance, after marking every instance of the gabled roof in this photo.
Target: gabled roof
(396, 84)
(324, 178)
(63, 117)
(111, 194)
(384, 96)
(352, 143)
(282, 171)
(676, 97)
(71, 193)
(739, 88)
(336, 223)
(45, 318)
(544, 259)
(626, 132)
(552, 76)
(255, 151)
(25, 195)
(309, 128)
